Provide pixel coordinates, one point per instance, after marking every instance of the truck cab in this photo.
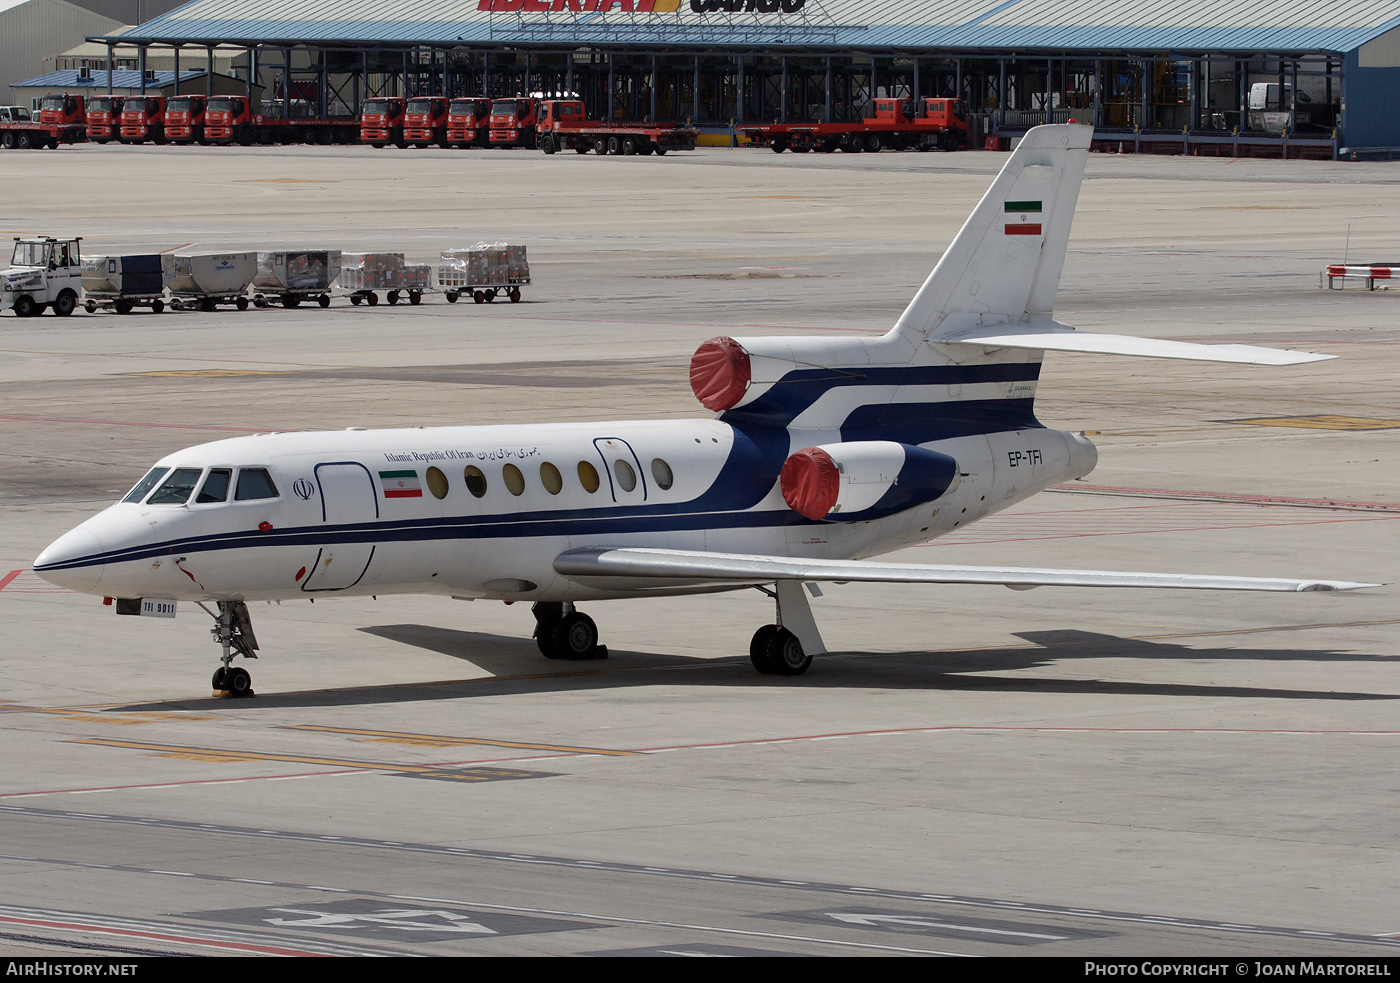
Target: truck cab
(64, 110)
(897, 112)
(143, 118)
(945, 117)
(425, 121)
(513, 122)
(468, 122)
(381, 122)
(229, 119)
(184, 118)
(558, 115)
(103, 118)
(44, 272)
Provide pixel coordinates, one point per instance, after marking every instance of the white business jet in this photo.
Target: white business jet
(822, 452)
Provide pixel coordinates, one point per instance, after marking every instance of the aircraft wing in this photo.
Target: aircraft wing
(625, 566)
(1065, 339)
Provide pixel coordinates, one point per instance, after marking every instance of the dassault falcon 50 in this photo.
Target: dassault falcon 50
(822, 452)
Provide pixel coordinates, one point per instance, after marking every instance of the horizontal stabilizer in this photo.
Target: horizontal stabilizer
(698, 567)
(1040, 338)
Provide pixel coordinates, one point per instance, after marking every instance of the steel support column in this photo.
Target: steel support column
(782, 110)
(695, 93)
(1001, 95)
(209, 70)
(828, 89)
(141, 64)
(110, 54)
(655, 84)
(175, 49)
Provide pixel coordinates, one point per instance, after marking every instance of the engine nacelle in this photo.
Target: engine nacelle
(865, 479)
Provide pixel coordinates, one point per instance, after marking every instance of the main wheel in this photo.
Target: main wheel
(874, 143)
(479, 297)
(629, 146)
(547, 143)
(758, 649)
(90, 307)
(392, 296)
(600, 146)
(490, 295)
(220, 680)
(25, 306)
(575, 636)
(23, 141)
(355, 299)
(514, 295)
(452, 296)
(372, 298)
(324, 300)
(64, 303)
(614, 146)
(415, 297)
(785, 654)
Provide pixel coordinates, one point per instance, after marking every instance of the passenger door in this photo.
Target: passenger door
(349, 499)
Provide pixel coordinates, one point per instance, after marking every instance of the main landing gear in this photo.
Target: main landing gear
(786, 649)
(233, 630)
(563, 633)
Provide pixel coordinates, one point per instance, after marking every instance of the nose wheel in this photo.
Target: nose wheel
(564, 633)
(233, 631)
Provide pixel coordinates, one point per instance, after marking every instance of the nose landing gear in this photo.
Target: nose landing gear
(233, 630)
(564, 633)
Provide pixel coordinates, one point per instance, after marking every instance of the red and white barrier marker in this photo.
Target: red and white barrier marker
(1371, 272)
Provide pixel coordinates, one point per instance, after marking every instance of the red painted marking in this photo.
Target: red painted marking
(301, 573)
(5, 580)
(131, 423)
(159, 936)
(173, 248)
(1023, 230)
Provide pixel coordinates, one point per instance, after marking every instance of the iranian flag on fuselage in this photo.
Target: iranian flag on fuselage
(400, 484)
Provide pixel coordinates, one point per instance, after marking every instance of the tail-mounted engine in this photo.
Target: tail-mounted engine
(865, 479)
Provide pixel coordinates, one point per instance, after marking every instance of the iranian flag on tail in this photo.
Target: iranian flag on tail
(400, 484)
(1018, 218)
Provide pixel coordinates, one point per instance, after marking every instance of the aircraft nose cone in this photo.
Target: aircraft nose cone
(61, 563)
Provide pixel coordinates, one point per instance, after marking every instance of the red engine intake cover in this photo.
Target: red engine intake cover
(811, 482)
(720, 373)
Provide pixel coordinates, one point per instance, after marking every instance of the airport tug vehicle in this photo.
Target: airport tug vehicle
(44, 272)
(822, 453)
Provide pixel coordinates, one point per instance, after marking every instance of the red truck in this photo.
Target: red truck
(564, 125)
(425, 121)
(103, 118)
(235, 119)
(184, 119)
(468, 122)
(143, 118)
(897, 124)
(513, 122)
(381, 123)
(61, 120)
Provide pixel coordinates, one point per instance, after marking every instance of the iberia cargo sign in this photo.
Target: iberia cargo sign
(641, 6)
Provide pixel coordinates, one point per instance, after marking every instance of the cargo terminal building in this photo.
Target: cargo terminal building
(1274, 78)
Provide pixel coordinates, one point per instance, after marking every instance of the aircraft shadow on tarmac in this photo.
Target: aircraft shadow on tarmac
(517, 667)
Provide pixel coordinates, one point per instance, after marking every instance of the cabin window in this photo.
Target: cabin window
(253, 484)
(215, 487)
(475, 481)
(550, 477)
(175, 490)
(626, 477)
(144, 486)
(661, 471)
(437, 483)
(515, 481)
(588, 477)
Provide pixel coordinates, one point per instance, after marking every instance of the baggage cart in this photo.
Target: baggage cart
(362, 274)
(295, 275)
(121, 283)
(484, 271)
(205, 280)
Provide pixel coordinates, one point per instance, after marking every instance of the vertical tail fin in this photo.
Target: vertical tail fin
(1004, 266)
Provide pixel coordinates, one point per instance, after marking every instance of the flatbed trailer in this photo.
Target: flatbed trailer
(564, 125)
(894, 124)
(61, 119)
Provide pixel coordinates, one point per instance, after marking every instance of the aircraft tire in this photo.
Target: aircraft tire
(239, 682)
(220, 680)
(575, 636)
(758, 649)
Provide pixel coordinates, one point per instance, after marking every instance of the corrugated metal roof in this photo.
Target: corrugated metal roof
(1010, 25)
(122, 78)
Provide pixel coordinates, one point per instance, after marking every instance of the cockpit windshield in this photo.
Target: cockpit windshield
(175, 490)
(144, 486)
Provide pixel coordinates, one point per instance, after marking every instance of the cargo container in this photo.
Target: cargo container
(293, 275)
(120, 283)
(205, 280)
